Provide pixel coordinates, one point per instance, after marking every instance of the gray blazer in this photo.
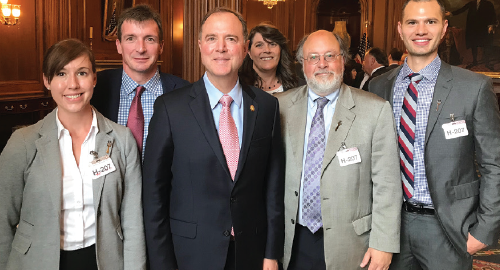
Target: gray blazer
(361, 203)
(30, 199)
(464, 202)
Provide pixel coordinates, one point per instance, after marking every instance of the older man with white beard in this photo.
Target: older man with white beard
(342, 184)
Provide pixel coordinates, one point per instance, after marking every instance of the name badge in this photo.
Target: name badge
(349, 156)
(455, 129)
(101, 166)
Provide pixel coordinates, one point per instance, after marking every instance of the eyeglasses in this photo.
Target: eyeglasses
(314, 58)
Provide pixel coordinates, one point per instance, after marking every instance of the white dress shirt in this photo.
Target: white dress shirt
(328, 112)
(77, 207)
(365, 78)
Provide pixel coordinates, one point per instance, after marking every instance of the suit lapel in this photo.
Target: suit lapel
(296, 123)
(48, 147)
(345, 117)
(249, 117)
(200, 106)
(441, 91)
(115, 84)
(101, 141)
(166, 83)
(391, 80)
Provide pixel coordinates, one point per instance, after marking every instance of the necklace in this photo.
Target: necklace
(270, 87)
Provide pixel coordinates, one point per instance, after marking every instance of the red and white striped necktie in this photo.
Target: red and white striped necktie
(407, 135)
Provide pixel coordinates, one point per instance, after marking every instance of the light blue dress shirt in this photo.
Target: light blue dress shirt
(214, 95)
(328, 112)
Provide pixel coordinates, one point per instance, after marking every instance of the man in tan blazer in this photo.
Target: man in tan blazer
(343, 187)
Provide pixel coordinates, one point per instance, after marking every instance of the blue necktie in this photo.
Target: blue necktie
(311, 198)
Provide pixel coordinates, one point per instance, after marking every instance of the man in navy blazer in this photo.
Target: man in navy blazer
(195, 215)
(140, 42)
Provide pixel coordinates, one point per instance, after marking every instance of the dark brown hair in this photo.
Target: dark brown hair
(63, 52)
(379, 56)
(227, 10)
(441, 5)
(396, 54)
(285, 70)
(140, 13)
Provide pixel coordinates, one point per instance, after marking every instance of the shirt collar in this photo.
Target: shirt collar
(61, 128)
(214, 94)
(151, 85)
(373, 71)
(429, 72)
(313, 96)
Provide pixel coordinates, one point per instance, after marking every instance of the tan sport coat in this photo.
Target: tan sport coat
(360, 203)
(30, 195)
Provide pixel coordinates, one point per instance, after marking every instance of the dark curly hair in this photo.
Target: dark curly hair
(285, 70)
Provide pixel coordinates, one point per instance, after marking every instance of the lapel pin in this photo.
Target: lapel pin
(438, 103)
(338, 125)
(252, 108)
(109, 145)
(94, 153)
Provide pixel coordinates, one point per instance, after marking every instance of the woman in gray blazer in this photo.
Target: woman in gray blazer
(70, 185)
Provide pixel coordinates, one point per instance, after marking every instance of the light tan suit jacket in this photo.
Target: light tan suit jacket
(30, 195)
(360, 203)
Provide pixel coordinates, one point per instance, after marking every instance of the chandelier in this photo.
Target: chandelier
(271, 3)
(9, 11)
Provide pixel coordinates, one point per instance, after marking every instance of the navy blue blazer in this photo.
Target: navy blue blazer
(190, 201)
(106, 98)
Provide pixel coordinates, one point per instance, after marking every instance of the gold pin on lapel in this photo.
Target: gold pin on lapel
(252, 108)
(109, 145)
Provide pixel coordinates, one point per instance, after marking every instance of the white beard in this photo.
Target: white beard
(324, 87)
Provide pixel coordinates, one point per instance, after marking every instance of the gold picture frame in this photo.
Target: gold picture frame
(112, 10)
(473, 34)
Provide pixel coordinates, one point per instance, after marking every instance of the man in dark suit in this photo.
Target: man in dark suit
(374, 64)
(213, 182)
(140, 42)
(447, 120)
(394, 58)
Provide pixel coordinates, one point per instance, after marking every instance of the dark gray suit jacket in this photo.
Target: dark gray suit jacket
(464, 202)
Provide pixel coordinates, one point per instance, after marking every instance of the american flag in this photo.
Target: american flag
(111, 29)
(364, 45)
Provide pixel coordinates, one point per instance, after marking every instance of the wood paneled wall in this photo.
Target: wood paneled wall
(194, 10)
(45, 22)
(21, 51)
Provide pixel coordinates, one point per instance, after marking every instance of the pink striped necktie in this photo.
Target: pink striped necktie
(135, 119)
(407, 135)
(228, 135)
